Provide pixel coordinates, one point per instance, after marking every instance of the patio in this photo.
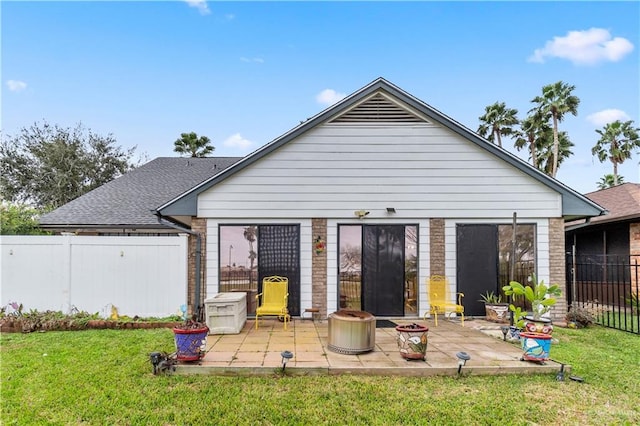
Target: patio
(258, 352)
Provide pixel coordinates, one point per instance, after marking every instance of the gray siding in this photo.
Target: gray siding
(422, 170)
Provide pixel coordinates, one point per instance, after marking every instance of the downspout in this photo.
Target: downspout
(197, 306)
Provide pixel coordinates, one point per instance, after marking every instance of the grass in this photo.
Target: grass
(627, 321)
(104, 377)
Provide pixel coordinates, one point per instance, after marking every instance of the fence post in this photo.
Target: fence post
(66, 269)
(573, 274)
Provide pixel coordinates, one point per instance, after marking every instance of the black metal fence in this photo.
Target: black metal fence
(607, 286)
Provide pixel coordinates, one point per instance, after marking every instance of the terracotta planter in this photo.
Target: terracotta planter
(412, 341)
(538, 325)
(497, 312)
(535, 346)
(189, 343)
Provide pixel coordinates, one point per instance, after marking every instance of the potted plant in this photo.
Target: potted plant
(495, 310)
(536, 337)
(412, 341)
(518, 321)
(190, 339)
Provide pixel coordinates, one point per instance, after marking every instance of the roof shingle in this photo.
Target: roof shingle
(130, 199)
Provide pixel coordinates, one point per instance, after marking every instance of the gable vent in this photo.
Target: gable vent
(378, 108)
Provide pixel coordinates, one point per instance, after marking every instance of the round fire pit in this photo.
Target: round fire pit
(351, 332)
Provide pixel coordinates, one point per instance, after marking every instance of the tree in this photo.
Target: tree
(556, 101)
(545, 155)
(19, 219)
(616, 144)
(608, 181)
(250, 233)
(47, 165)
(497, 121)
(190, 143)
(532, 134)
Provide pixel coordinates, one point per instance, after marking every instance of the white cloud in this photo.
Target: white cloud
(229, 16)
(603, 117)
(584, 47)
(201, 5)
(16, 85)
(237, 141)
(254, 60)
(329, 97)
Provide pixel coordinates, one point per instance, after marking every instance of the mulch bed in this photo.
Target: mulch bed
(17, 326)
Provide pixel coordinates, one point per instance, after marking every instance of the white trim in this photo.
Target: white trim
(306, 250)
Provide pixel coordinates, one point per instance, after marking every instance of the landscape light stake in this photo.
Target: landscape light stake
(505, 330)
(463, 357)
(286, 356)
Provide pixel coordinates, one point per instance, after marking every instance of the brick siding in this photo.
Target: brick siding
(318, 269)
(436, 244)
(557, 271)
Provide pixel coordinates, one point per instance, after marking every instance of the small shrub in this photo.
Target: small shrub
(13, 316)
(579, 316)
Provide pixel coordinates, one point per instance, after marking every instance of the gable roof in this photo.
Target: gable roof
(130, 200)
(359, 105)
(621, 201)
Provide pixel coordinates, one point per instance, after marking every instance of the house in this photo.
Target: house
(361, 203)
(614, 234)
(605, 250)
(126, 205)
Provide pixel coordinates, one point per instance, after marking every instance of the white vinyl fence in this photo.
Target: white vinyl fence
(144, 276)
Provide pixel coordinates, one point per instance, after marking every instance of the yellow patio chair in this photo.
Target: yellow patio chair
(273, 299)
(440, 300)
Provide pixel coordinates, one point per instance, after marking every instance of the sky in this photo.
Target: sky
(244, 73)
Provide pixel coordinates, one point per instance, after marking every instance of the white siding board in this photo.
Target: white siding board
(425, 170)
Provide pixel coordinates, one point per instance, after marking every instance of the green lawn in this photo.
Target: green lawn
(104, 377)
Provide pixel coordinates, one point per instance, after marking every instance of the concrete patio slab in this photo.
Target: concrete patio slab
(258, 352)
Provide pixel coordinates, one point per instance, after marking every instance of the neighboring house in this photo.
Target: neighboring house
(361, 203)
(614, 234)
(607, 248)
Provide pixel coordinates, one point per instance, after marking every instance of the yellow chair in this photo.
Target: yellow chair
(273, 299)
(439, 299)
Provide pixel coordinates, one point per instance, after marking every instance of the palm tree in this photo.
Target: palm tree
(608, 181)
(533, 131)
(190, 143)
(250, 233)
(556, 101)
(616, 143)
(545, 153)
(497, 121)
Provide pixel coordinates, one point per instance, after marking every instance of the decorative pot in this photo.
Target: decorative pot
(535, 346)
(538, 325)
(412, 341)
(514, 332)
(189, 343)
(497, 312)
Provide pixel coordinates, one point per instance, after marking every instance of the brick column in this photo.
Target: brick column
(197, 225)
(557, 266)
(436, 245)
(634, 251)
(319, 268)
